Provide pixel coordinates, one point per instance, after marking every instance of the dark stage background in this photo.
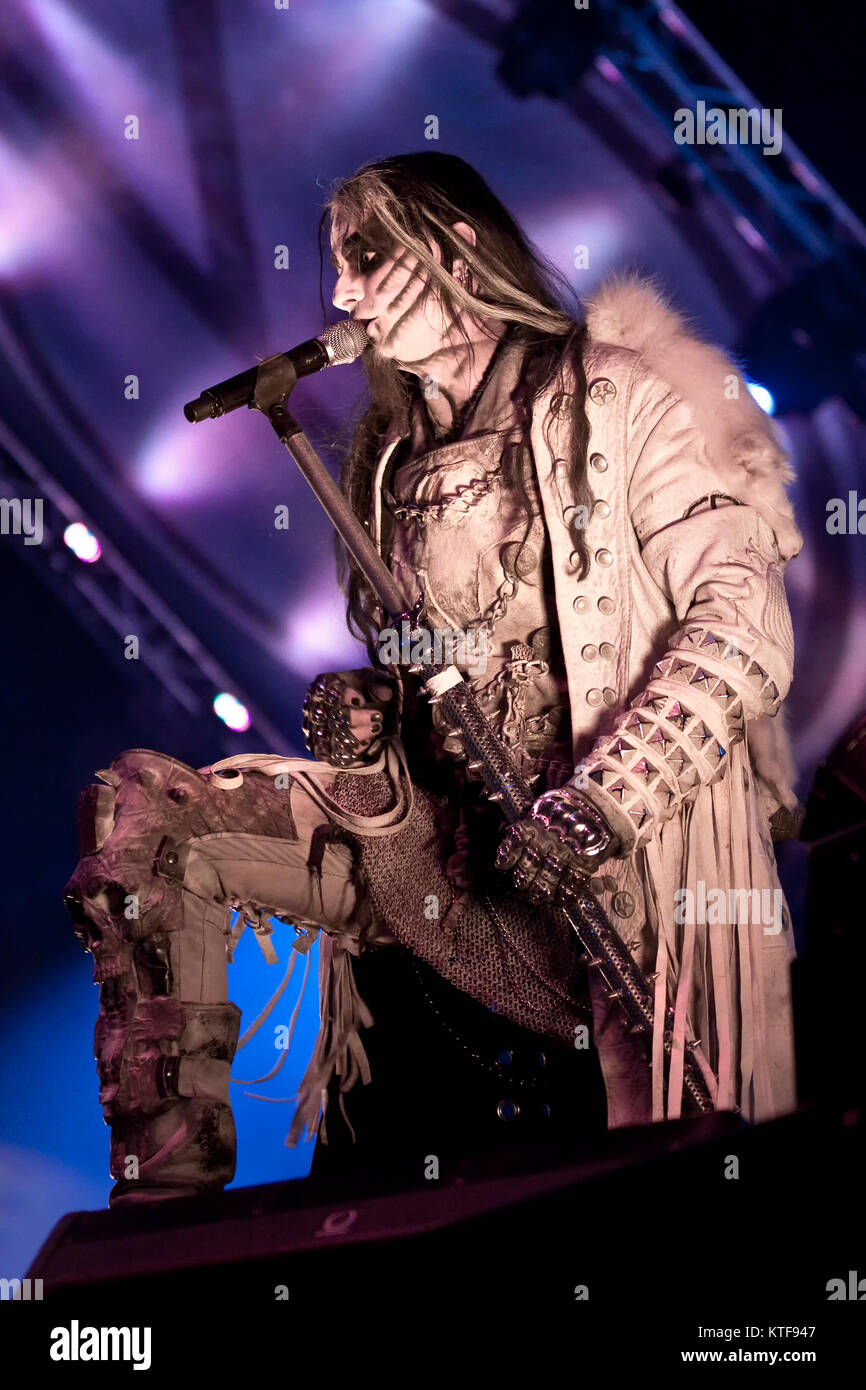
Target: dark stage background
(155, 257)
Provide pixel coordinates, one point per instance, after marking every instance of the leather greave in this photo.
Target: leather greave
(166, 1034)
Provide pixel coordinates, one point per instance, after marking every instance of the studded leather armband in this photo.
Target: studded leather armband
(676, 735)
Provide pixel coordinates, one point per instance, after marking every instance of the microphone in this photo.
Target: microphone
(337, 345)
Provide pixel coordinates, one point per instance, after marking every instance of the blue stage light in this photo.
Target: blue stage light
(232, 712)
(763, 397)
(82, 542)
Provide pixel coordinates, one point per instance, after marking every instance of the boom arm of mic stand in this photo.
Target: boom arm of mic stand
(272, 390)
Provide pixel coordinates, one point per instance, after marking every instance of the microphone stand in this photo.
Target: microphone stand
(605, 951)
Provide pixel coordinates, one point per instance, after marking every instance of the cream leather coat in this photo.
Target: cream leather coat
(694, 582)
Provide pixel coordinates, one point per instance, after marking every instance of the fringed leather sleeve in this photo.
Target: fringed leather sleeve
(731, 658)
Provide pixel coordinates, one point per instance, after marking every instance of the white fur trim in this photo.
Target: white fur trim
(744, 445)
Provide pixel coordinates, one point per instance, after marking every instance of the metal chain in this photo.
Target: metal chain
(467, 494)
(499, 1071)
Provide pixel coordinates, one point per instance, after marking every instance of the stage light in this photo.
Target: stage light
(750, 234)
(805, 342)
(609, 71)
(232, 712)
(177, 464)
(82, 542)
(568, 228)
(109, 85)
(763, 397)
(315, 633)
(35, 199)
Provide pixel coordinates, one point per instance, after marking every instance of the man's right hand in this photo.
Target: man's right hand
(347, 715)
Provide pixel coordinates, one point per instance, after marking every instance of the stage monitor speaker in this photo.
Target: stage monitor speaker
(654, 1232)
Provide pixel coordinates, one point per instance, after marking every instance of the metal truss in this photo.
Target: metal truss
(109, 598)
(780, 206)
(669, 65)
(113, 602)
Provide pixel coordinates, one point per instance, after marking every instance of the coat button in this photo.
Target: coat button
(604, 557)
(545, 1111)
(508, 1109)
(602, 508)
(504, 1058)
(609, 696)
(606, 604)
(542, 1059)
(590, 653)
(581, 604)
(598, 462)
(623, 904)
(517, 562)
(525, 562)
(594, 697)
(602, 390)
(607, 650)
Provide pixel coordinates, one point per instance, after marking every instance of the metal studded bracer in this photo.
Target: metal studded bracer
(676, 735)
(326, 720)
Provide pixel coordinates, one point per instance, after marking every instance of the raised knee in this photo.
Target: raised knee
(136, 828)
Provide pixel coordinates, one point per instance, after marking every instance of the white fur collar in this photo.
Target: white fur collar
(631, 311)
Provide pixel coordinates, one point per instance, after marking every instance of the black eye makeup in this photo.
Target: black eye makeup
(362, 253)
(367, 259)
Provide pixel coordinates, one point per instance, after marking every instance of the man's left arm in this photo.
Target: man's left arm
(730, 660)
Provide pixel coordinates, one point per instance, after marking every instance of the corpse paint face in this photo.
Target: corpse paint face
(386, 287)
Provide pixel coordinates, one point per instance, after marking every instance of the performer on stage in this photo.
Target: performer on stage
(598, 510)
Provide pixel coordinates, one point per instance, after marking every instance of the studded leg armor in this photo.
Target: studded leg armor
(166, 1033)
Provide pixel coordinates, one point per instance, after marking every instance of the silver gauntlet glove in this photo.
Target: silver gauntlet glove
(346, 714)
(562, 840)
